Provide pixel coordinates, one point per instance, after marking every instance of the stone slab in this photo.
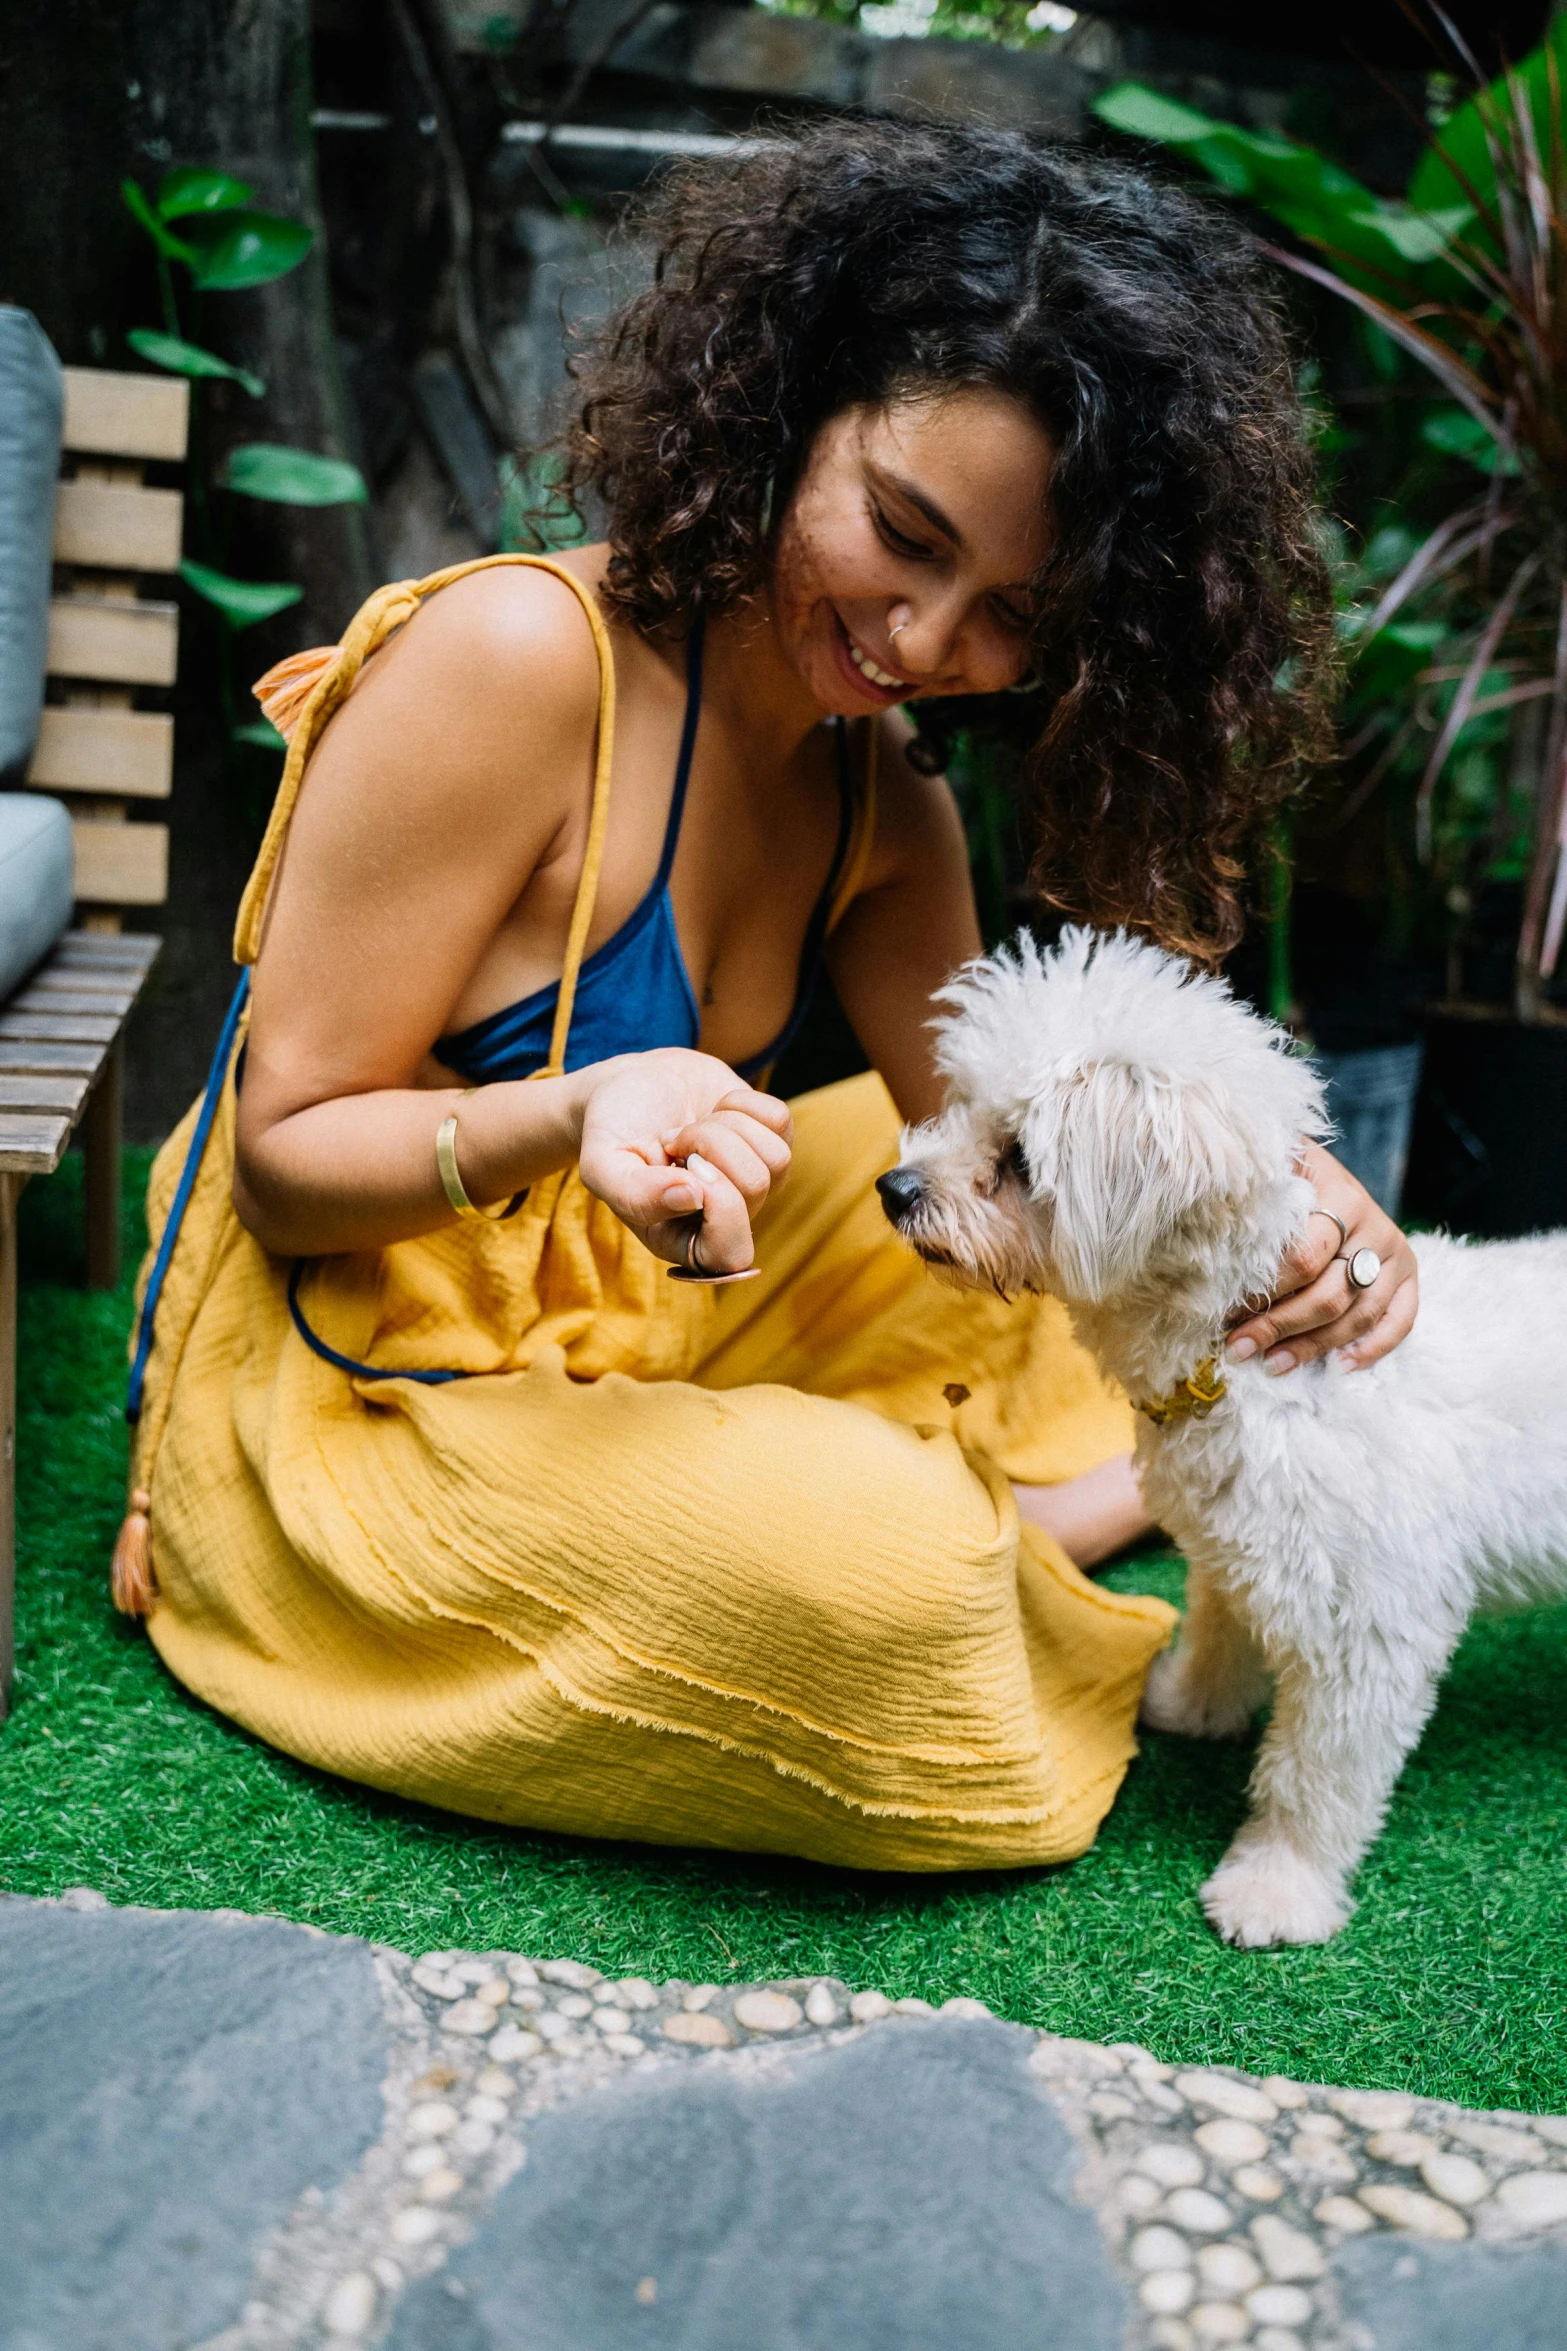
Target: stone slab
(170, 2084)
(907, 2192)
(221, 2134)
(1454, 2297)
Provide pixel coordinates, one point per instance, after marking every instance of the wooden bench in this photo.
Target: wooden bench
(96, 750)
(62, 1054)
(62, 1065)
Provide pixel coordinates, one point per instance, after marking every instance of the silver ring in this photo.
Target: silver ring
(894, 634)
(1343, 1229)
(1362, 1266)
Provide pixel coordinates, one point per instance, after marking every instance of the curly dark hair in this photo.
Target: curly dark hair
(1182, 649)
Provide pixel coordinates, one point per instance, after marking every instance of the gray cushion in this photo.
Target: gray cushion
(36, 881)
(32, 398)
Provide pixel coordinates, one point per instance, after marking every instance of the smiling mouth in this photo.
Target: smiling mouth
(881, 681)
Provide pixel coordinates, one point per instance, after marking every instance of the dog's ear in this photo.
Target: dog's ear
(1123, 1155)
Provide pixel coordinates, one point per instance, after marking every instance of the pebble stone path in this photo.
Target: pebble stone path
(227, 2134)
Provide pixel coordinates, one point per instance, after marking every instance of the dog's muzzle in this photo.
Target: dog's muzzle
(902, 1189)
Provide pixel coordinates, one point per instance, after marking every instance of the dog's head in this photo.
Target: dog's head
(1113, 1118)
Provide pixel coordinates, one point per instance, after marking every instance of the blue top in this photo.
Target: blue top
(634, 993)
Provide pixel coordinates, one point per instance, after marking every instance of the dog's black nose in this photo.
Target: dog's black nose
(901, 1189)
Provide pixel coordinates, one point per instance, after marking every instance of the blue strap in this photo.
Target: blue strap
(687, 748)
(183, 1190)
(363, 1371)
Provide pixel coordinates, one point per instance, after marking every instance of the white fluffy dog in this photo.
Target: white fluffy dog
(1120, 1132)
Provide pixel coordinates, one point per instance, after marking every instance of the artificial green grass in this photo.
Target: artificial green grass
(1450, 1980)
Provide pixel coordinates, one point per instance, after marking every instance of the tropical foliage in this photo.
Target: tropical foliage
(207, 224)
(1456, 626)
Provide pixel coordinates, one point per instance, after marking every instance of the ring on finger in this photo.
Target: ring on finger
(1343, 1229)
(1361, 1266)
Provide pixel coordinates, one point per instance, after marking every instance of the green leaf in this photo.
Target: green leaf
(1309, 194)
(1458, 434)
(1271, 171)
(241, 602)
(1419, 237)
(264, 736)
(188, 359)
(1459, 151)
(293, 477)
(172, 247)
(1147, 114)
(244, 248)
(190, 188)
(1386, 665)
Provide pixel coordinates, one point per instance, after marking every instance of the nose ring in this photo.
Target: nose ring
(894, 634)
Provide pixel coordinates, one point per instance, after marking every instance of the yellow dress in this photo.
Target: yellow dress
(723, 1568)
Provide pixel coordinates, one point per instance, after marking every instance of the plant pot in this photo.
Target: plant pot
(1371, 1101)
(1489, 1153)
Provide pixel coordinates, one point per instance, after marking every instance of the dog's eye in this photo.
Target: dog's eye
(1014, 1162)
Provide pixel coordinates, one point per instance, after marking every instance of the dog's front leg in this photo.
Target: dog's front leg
(1212, 1682)
(1342, 1727)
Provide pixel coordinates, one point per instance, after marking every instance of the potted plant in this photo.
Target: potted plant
(1465, 278)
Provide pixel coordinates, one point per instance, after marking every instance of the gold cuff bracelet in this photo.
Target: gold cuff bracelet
(451, 1180)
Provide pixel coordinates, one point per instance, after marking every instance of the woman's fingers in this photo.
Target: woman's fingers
(751, 1156)
(1317, 1309)
(1394, 1327)
(723, 1240)
(1328, 1314)
(1308, 1258)
(641, 1195)
(770, 1145)
(766, 1109)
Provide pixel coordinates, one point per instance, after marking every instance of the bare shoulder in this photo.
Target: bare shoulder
(479, 714)
(506, 640)
(917, 819)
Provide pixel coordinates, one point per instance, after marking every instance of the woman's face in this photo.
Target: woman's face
(904, 558)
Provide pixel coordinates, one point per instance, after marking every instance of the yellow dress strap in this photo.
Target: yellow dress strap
(300, 695)
(863, 838)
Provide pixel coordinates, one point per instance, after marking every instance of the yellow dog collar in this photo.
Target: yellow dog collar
(1192, 1399)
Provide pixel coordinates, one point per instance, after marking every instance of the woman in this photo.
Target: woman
(451, 1489)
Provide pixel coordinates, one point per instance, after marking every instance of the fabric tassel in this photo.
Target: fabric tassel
(289, 684)
(132, 1583)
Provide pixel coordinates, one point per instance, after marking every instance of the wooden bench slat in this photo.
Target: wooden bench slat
(83, 979)
(41, 1056)
(115, 1000)
(103, 992)
(128, 752)
(80, 973)
(121, 864)
(38, 1092)
(32, 1144)
(60, 1028)
(126, 643)
(118, 526)
(134, 949)
(110, 413)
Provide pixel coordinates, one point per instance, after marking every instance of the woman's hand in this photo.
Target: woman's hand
(684, 1152)
(1315, 1310)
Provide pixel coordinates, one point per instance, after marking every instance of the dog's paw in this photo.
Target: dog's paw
(1266, 1893)
(1175, 1698)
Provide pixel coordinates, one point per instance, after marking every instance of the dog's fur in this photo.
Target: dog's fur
(1120, 1132)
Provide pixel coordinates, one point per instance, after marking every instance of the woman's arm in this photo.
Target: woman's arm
(453, 784)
